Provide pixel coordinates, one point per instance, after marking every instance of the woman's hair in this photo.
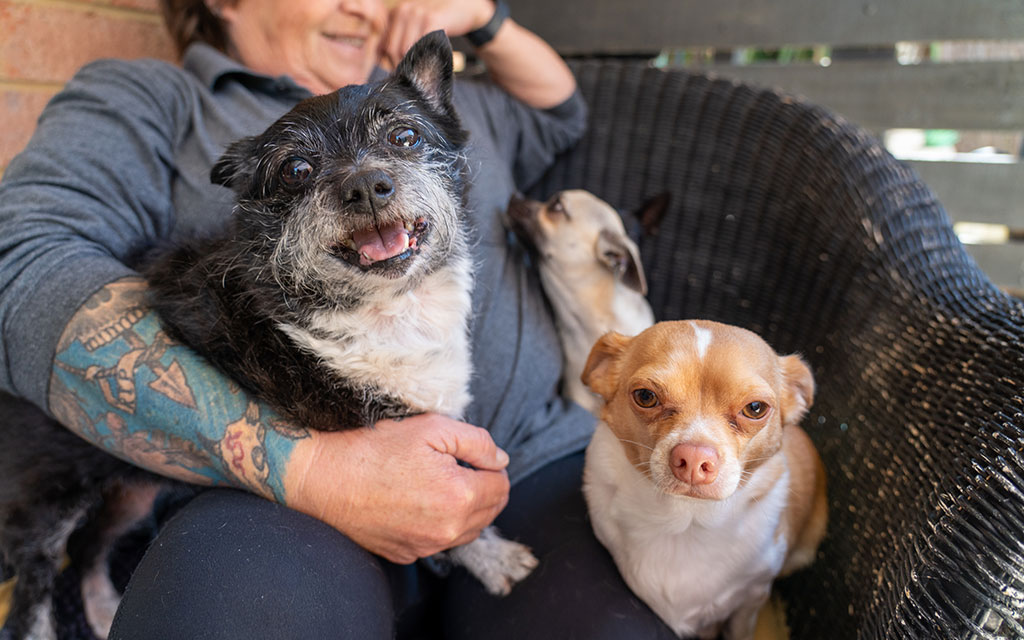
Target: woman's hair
(191, 21)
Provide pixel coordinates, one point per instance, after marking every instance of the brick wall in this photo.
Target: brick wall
(43, 42)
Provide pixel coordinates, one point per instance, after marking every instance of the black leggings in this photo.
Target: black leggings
(232, 565)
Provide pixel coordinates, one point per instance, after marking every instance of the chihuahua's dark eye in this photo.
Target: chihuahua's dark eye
(555, 211)
(404, 137)
(295, 171)
(645, 398)
(755, 410)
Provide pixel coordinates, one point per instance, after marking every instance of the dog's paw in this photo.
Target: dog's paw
(99, 600)
(515, 563)
(496, 562)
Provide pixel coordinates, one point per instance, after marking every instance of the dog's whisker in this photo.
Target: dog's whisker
(639, 444)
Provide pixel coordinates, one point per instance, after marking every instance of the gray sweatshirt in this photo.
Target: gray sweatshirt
(121, 159)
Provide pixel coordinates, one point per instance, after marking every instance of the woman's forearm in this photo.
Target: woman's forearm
(121, 383)
(527, 67)
(397, 489)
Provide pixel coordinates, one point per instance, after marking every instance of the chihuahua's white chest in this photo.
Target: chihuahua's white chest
(413, 347)
(694, 562)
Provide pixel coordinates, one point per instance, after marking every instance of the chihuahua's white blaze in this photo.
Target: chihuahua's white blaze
(703, 337)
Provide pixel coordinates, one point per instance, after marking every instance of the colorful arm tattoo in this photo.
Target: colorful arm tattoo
(121, 383)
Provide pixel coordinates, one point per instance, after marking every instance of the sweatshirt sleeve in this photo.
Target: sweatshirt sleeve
(91, 189)
(528, 138)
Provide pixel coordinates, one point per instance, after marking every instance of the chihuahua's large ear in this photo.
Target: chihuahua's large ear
(428, 67)
(601, 371)
(651, 212)
(236, 165)
(620, 254)
(799, 393)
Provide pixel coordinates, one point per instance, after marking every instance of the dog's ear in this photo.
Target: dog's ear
(620, 254)
(799, 392)
(601, 371)
(651, 212)
(236, 165)
(428, 68)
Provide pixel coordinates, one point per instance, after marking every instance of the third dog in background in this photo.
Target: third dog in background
(590, 270)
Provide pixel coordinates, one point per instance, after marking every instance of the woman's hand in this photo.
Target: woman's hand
(516, 58)
(397, 489)
(410, 20)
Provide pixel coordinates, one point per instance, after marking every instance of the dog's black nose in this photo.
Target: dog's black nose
(367, 191)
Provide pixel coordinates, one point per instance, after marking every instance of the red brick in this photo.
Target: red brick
(19, 109)
(48, 43)
(146, 5)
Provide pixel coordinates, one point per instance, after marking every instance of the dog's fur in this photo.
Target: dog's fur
(590, 270)
(340, 295)
(699, 479)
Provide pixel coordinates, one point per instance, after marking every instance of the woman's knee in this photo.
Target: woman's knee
(233, 565)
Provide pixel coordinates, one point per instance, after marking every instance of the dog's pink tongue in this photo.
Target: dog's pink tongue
(380, 243)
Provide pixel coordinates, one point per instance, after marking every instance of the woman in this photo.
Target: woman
(120, 161)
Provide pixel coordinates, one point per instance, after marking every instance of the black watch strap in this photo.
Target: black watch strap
(483, 35)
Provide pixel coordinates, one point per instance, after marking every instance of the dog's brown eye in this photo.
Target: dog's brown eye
(645, 398)
(755, 410)
(404, 137)
(295, 171)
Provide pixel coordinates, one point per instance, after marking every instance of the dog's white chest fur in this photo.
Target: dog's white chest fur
(693, 562)
(413, 346)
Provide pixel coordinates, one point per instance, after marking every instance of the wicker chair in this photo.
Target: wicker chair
(791, 222)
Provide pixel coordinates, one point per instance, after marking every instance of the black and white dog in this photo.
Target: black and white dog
(340, 295)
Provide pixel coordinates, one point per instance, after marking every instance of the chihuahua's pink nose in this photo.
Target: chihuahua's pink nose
(694, 464)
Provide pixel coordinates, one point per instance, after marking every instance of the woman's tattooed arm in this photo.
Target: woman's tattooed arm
(121, 383)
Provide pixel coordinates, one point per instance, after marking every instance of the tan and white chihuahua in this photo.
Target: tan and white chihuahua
(590, 270)
(699, 479)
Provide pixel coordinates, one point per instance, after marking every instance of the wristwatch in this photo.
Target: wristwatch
(483, 35)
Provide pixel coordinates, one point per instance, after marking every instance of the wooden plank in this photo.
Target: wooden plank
(883, 95)
(1003, 263)
(614, 26)
(977, 192)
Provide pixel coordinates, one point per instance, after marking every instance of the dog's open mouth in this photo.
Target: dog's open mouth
(383, 244)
